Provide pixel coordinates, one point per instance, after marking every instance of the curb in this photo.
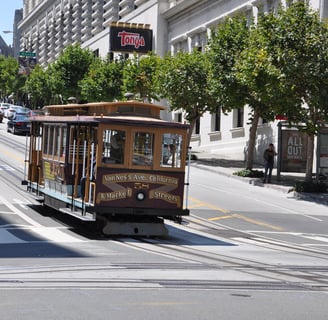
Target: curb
(314, 197)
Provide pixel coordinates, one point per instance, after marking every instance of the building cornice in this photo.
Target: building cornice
(35, 13)
(181, 7)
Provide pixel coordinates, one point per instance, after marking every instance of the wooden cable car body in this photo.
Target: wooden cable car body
(116, 163)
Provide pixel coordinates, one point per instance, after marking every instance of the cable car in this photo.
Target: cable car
(116, 163)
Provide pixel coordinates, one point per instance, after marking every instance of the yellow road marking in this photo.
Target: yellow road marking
(260, 223)
(220, 218)
(11, 155)
(199, 203)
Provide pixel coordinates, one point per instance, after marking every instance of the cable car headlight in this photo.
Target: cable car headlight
(140, 196)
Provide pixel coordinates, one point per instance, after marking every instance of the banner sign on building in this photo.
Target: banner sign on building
(293, 151)
(131, 37)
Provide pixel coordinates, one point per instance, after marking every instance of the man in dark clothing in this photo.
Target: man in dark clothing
(268, 156)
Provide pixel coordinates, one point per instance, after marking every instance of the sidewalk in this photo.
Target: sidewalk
(286, 182)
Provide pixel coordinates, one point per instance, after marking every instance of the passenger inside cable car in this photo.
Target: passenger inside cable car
(114, 144)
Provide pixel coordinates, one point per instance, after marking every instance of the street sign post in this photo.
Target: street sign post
(27, 62)
(27, 54)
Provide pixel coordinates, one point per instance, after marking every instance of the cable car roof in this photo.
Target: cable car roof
(131, 107)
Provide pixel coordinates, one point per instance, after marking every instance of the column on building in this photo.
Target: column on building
(41, 46)
(111, 11)
(68, 24)
(50, 37)
(26, 7)
(139, 2)
(77, 21)
(59, 22)
(86, 20)
(97, 17)
(126, 6)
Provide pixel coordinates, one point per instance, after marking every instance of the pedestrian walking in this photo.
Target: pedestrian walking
(268, 156)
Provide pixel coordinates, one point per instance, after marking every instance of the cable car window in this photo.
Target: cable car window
(77, 149)
(171, 150)
(113, 146)
(55, 135)
(49, 141)
(143, 143)
(45, 140)
(51, 138)
(61, 142)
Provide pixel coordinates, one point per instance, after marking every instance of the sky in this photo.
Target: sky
(7, 10)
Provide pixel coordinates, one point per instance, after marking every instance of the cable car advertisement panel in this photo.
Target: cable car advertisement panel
(122, 189)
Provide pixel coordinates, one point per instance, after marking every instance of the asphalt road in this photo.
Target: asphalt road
(245, 253)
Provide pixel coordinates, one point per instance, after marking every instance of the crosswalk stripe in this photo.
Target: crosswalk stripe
(43, 233)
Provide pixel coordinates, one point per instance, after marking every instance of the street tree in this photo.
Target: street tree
(71, 67)
(298, 44)
(8, 76)
(39, 87)
(261, 79)
(138, 76)
(241, 73)
(103, 81)
(183, 79)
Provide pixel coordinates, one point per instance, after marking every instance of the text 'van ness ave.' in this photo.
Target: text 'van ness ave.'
(135, 177)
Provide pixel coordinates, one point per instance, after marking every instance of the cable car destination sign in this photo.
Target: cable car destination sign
(130, 37)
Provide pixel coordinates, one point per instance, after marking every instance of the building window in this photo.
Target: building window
(180, 46)
(197, 127)
(238, 118)
(178, 117)
(199, 42)
(216, 120)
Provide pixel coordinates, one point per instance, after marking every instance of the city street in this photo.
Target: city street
(246, 252)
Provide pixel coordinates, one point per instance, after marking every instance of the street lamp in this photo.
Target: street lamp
(7, 31)
(10, 49)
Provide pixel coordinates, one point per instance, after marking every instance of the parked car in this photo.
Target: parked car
(10, 111)
(19, 123)
(4, 106)
(15, 109)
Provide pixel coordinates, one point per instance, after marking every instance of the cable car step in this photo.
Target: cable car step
(39, 199)
(127, 228)
(78, 214)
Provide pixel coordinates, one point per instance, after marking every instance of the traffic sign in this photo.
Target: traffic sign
(27, 54)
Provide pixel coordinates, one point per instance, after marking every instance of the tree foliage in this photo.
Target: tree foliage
(183, 79)
(229, 46)
(276, 67)
(39, 86)
(104, 81)
(138, 76)
(8, 75)
(226, 44)
(298, 44)
(70, 68)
